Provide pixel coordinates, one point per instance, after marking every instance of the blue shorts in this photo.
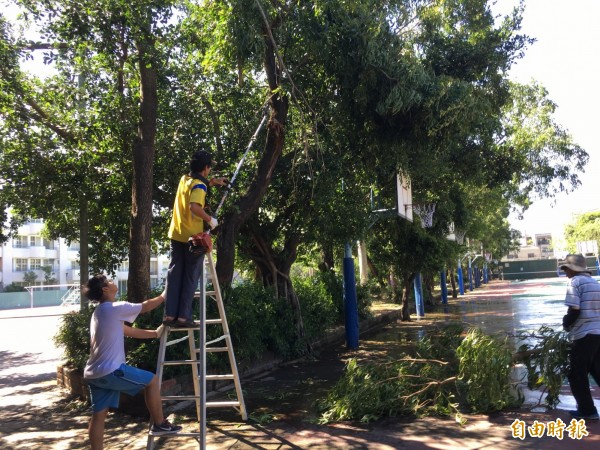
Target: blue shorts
(105, 391)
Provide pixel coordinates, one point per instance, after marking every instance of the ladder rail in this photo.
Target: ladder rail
(229, 344)
(199, 347)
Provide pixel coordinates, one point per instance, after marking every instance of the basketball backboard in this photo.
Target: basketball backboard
(451, 236)
(404, 197)
(587, 248)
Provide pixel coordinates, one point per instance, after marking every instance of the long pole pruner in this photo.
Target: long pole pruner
(241, 162)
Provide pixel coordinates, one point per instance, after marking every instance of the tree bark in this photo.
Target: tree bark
(248, 204)
(453, 283)
(275, 270)
(327, 260)
(84, 259)
(144, 149)
(408, 284)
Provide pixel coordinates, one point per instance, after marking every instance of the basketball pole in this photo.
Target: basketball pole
(350, 302)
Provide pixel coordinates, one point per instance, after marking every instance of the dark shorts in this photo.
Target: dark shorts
(105, 391)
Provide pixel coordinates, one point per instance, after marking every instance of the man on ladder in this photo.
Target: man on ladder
(189, 245)
(187, 220)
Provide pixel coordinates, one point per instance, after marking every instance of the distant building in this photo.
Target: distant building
(544, 242)
(29, 251)
(537, 247)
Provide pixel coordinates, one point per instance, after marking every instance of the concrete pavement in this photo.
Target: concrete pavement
(35, 414)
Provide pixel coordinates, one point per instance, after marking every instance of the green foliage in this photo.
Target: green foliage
(445, 375)
(74, 337)
(546, 360)
(259, 324)
(484, 372)
(30, 277)
(12, 287)
(319, 308)
(585, 227)
(333, 283)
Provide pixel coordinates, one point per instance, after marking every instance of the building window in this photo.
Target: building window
(124, 266)
(20, 265)
(74, 245)
(35, 220)
(531, 255)
(49, 244)
(35, 264)
(35, 241)
(153, 267)
(19, 242)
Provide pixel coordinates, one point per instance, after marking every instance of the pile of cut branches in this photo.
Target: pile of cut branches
(449, 373)
(544, 353)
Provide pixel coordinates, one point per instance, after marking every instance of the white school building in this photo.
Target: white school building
(29, 251)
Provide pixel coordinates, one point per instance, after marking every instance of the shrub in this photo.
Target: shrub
(334, 284)
(258, 322)
(74, 337)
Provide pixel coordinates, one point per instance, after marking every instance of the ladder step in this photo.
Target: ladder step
(213, 321)
(180, 362)
(228, 376)
(229, 404)
(232, 404)
(214, 341)
(215, 349)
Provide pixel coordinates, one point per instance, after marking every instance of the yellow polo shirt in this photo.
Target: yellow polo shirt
(183, 223)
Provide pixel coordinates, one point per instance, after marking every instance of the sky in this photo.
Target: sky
(564, 60)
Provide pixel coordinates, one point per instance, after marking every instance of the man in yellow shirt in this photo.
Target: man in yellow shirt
(188, 219)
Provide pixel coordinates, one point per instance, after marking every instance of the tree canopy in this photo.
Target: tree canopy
(356, 92)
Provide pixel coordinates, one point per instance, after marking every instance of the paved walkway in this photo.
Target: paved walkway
(35, 415)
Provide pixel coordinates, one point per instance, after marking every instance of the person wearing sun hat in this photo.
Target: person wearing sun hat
(582, 321)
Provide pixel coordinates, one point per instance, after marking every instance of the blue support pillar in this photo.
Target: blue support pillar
(470, 269)
(476, 274)
(444, 287)
(485, 274)
(597, 266)
(461, 281)
(350, 303)
(418, 287)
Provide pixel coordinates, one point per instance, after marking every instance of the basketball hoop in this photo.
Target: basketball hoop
(460, 236)
(425, 212)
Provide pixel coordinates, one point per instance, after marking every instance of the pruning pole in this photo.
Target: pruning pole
(241, 162)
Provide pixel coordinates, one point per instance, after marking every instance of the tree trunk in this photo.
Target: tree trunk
(408, 285)
(138, 283)
(453, 283)
(248, 204)
(84, 250)
(375, 272)
(363, 263)
(275, 270)
(428, 282)
(327, 260)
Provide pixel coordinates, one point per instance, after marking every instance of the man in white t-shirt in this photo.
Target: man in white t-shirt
(582, 321)
(106, 371)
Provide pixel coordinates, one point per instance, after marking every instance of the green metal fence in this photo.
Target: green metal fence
(538, 268)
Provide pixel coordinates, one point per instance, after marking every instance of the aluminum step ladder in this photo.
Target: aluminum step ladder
(198, 347)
